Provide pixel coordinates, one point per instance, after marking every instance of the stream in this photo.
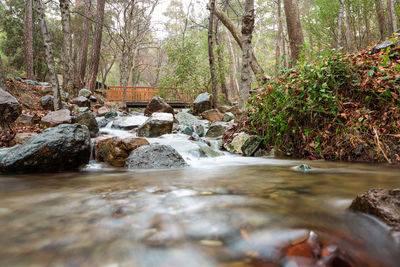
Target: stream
(223, 211)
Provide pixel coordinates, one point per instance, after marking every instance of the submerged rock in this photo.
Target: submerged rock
(10, 109)
(202, 103)
(303, 168)
(56, 118)
(381, 203)
(111, 114)
(89, 120)
(115, 150)
(207, 151)
(158, 124)
(47, 102)
(157, 104)
(66, 147)
(155, 157)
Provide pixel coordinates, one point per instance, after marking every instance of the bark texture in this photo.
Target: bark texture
(67, 46)
(95, 58)
(247, 35)
(211, 54)
(83, 47)
(255, 66)
(295, 32)
(381, 18)
(28, 39)
(49, 54)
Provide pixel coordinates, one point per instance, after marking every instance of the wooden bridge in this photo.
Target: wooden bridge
(140, 96)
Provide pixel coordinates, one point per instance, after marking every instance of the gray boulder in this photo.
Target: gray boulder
(382, 46)
(157, 125)
(81, 101)
(237, 143)
(89, 120)
(202, 103)
(85, 93)
(111, 114)
(155, 157)
(216, 129)
(47, 102)
(56, 118)
(129, 123)
(228, 116)
(66, 147)
(251, 145)
(101, 112)
(10, 109)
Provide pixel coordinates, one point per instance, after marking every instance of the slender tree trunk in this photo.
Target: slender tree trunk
(247, 35)
(94, 60)
(280, 49)
(49, 54)
(234, 85)
(67, 46)
(221, 61)
(255, 66)
(211, 54)
(28, 39)
(381, 18)
(390, 17)
(296, 38)
(133, 65)
(83, 47)
(2, 78)
(367, 23)
(349, 34)
(340, 25)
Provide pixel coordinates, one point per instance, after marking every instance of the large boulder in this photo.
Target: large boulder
(85, 93)
(10, 109)
(26, 120)
(157, 104)
(47, 102)
(382, 46)
(155, 157)
(115, 150)
(381, 203)
(81, 101)
(55, 118)
(237, 143)
(184, 118)
(216, 129)
(212, 115)
(202, 103)
(157, 125)
(66, 147)
(89, 120)
(21, 138)
(251, 145)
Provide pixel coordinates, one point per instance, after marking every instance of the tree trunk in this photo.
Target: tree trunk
(94, 60)
(367, 23)
(49, 54)
(349, 36)
(2, 79)
(255, 66)
(211, 54)
(84, 47)
(381, 18)
(340, 25)
(295, 32)
(390, 17)
(67, 46)
(280, 40)
(221, 61)
(28, 39)
(247, 35)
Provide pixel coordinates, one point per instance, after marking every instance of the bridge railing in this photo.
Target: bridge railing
(146, 93)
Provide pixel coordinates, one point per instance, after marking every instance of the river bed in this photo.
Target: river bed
(223, 211)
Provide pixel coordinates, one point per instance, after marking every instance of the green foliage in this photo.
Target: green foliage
(187, 66)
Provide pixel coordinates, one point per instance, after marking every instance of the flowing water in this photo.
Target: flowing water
(223, 211)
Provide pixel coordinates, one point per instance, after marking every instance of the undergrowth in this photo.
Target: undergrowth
(338, 107)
